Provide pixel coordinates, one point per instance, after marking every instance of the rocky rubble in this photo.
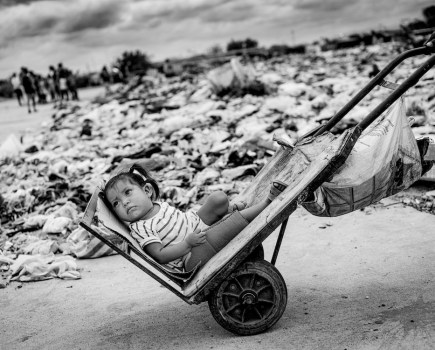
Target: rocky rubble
(192, 140)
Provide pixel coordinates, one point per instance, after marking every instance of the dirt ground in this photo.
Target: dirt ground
(15, 119)
(365, 280)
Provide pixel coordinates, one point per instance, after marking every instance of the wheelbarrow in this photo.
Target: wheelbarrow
(247, 294)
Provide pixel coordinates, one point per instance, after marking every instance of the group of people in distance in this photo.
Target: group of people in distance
(58, 85)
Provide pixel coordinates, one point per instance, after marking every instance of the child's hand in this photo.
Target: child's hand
(195, 238)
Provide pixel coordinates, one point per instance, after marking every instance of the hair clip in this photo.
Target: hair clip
(136, 172)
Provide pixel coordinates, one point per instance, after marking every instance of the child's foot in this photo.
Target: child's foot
(236, 206)
(276, 189)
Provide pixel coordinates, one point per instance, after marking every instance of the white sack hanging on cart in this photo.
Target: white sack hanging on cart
(385, 160)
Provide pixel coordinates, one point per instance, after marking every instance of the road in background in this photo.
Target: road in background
(15, 119)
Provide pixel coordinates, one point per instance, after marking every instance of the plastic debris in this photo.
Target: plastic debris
(11, 147)
(39, 267)
(210, 131)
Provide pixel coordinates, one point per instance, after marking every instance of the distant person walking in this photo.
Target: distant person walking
(16, 86)
(105, 78)
(71, 82)
(53, 84)
(29, 88)
(41, 90)
(63, 82)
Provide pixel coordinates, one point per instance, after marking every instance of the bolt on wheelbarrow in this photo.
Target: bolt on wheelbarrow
(247, 294)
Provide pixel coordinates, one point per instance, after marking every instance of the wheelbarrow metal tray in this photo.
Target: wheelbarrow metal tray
(303, 168)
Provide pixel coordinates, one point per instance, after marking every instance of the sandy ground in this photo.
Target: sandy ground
(365, 280)
(15, 119)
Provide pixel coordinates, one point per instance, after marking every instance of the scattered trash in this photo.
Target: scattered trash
(234, 79)
(10, 148)
(212, 132)
(39, 267)
(82, 244)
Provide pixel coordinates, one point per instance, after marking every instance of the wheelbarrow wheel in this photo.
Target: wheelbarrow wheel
(251, 300)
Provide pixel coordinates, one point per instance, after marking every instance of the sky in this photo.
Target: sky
(87, 34)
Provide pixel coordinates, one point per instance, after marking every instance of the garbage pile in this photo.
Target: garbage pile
(194, 135)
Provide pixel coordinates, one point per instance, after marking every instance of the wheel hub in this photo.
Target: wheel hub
(248, 298)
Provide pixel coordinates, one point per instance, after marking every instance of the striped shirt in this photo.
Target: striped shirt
(169, 226)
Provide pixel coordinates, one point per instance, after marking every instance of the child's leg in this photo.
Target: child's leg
(217, 237)
(250, 213)
(222, 232)
(214, 208)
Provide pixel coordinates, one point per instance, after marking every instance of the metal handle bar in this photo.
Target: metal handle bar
(376, 80)
(408, 83)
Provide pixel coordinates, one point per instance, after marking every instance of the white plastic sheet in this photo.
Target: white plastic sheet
(42, 267)
(11, 147)
(231, 75)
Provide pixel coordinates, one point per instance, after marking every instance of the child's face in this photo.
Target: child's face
(130, 201)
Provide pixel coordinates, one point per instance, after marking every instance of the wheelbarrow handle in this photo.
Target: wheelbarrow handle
(399, 91)
(430, 42)
(424, 50)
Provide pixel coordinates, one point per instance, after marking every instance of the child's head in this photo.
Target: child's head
(130, 194)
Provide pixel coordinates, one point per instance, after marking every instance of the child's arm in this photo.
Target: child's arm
(163, 255)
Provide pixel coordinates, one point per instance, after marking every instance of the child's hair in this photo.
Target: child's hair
(136, 174)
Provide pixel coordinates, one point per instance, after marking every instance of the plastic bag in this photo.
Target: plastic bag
(57, 225)
(385, 160)
(230, 76)
(42, 267)
(83, 245)
(11, 147)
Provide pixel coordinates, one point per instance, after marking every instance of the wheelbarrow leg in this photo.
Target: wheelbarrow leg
(279, 241)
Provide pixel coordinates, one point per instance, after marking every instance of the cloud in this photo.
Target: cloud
(174, 10)
(322, 5)
(39, 18)
(4, 3)
(20, 21)
(231, 12)
(97, 16)
(80, 32)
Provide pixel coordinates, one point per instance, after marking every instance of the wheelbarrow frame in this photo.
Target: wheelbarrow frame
(372, 116)
(213, 273)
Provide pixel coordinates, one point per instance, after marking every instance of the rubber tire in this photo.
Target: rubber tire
(226, 301)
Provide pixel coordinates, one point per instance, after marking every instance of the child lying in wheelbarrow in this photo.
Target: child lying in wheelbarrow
(179, 239)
